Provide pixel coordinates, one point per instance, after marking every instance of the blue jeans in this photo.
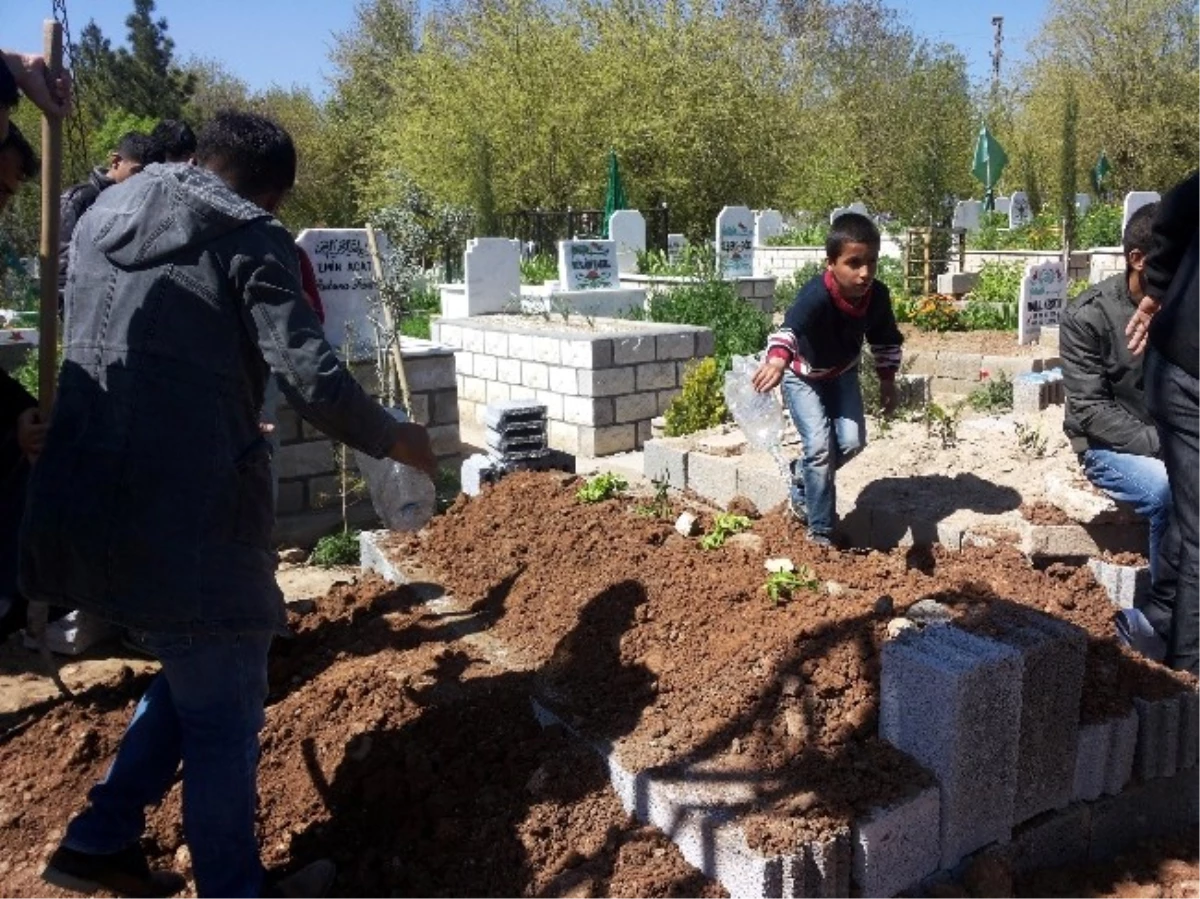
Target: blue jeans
(829, 416)
(1140, 481)
(205, 708)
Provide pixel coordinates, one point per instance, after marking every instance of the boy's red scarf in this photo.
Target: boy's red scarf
(858, 310)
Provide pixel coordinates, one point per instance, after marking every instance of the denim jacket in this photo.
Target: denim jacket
(151, 503)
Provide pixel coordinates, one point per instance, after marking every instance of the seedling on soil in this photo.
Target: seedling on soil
(660, 506)
(943, 423)
(781, 585)
(1031, 440)
(601, 487)
(336, 549)
(725, 525)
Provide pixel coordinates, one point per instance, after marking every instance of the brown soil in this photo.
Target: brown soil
(985, 343)
(1045, 513)
(401, 743)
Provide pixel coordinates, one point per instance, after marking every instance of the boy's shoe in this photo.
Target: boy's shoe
(73, 634)
(125, 873)
(796, 507)
(820, 540)
(314, 879)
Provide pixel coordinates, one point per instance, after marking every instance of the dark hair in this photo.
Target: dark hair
(16, 141)
(849, 227)
(138, 147)
(250, 152)
(1137, 234)
(176, 138)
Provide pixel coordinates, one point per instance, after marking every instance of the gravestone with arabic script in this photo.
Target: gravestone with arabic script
(588, 265)
(346, 279)
(735, 242)
(1043, 296)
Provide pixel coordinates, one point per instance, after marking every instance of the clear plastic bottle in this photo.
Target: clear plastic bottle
(403, 497)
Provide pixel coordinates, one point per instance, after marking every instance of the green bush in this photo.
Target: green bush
(999, 282)
(738, 328)
(601, 487)
(937, 312)
(695, 261)
(1043, 233)
(539, 269)
(1101, 227)
(701, 403)
(1075, 287)
(891, 273)
(420, 306)
(787, 288)
(336, 549)
(981, 316)
(992, 395)
(812, 235)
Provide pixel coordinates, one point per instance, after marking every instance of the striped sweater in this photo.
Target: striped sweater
(822, 333)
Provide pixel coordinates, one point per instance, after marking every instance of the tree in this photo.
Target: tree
(1069, 164)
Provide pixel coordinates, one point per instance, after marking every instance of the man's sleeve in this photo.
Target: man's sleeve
(9, 94)
(884, 337)
(1099, 415)
(318, 386)
(1174, 229)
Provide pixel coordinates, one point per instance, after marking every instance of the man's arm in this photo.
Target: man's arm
(1099, 415)
(316, 383)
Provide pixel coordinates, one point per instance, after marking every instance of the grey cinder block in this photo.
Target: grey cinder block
(1091, 760)
(1189, 728)
(1052, 840)
(713, 477)
(897, 846)
(666, 459)
(1162, 807)
(1125, 585)
(820, 868)
(1157, 752)
(1121, 749)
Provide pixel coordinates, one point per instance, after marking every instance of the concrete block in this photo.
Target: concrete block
(605, 382)
(760, 481)
(508, 370)
(675, 346)
(1157, 753)
(592, 352)
(733, 443)
(1052, 840)
(472, 339)
(665, 398)
(607, 441)
(633, 350)
(713, 477)
(957, 282)
(656, 376)
(952, 701)
(485, 367)
(290, 499)
(535, 375)
(548, 350)
(445, 408)
(820, 867)
(420, 406)
(563, 437)
(429, 373)
(1189, 729)
(516, 412)
(1163, 807)
(478, 470)
(1075, 541)
(520, 346)
(552, 401)
(564, 380)
(587, 410)
(666, 459)
(1030, 396)
(897, 846)
(1126, 585)
(960, 366)
(474, 389)
(1053, 659)
(1122, 747)
(645, 431)
(498, 392)
(1091, 760)
(495, 343)
(635, 407)
(1077, 498)
(705, 343)
(373, 559)
(303, 460)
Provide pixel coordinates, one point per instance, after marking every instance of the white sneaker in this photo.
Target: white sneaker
(74, 633)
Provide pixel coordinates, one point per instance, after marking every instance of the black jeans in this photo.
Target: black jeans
(1172, 397)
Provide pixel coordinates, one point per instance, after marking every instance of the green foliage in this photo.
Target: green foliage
(1075, 287)
(942, 423)
(447, 486)
(600, 487)
(422, 304)
(937, 312)
(725, 525)
(695, 261)
(116, 124)
(787, 288)
(992, 395)
(1043, 233)
(999, 282)
(336, 549)
(17, 289)
(539, 269)
(701, 402)
(26, 374)
(891, 273)
(979, 315)
(1100, 226)
(660, 506)
(738, 328)
(780, 585)
(808, 235)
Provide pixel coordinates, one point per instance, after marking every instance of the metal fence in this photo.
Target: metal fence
(540, 230)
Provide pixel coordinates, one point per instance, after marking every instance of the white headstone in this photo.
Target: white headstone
(1020, 213)
(1083, 202)
(967, 214)
(491, 276)
(676, 243)
(588, 265)
(735, 242)
(346, 280)
(627, 228)
(1135, 200)
(767, 224)
(1001, 206)
(856, 206)
(1043, 295)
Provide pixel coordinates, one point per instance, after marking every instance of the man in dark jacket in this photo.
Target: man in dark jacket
(151, 503)
(134, 152)
(1168, 319)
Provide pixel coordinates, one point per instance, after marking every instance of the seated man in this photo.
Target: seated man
(1106, 417)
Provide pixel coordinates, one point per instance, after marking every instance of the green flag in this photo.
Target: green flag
(990, 160)
(1102, 168)
(614, 198)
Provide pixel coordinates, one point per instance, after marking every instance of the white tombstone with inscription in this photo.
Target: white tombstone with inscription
(491, 279)
(967, 214)
(767, 224)
(627, 228)
(1020, 213)
(1001, 206)
(1083, 202)
(735, 242)
(588, 265)
(676, 244)
(346, 280)
(1135, 200)
(1043, 295)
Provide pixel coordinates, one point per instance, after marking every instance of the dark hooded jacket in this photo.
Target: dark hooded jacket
(75, 201)
(151, 504)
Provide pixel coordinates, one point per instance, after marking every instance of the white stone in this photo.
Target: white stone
(342, 261)
(687, 524)
(627, 229)
(1020, 213)
(767, 224)
(588, 264)
(1001, 206)
(774, 565)
(491, 274)
(856, 206)
(1083, 202)
(1043, 295)
(735, 242)
(1135, 200)
(967, 214)
(676, 244)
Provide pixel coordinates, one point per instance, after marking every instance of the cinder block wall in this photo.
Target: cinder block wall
(954, 375)
(781, 262)
(309, 502)
(1077, 269)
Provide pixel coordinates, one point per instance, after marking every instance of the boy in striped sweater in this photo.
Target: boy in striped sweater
(815, 356)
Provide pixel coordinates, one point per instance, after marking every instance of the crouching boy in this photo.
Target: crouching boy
(815, 356)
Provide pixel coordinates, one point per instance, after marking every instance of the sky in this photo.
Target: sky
(287, 42)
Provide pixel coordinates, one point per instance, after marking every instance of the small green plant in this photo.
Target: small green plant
(601, 487)
(701, 402)
(1075, 287)
(942, 423)
(992, 394)
(809, 235)
(725, 525)
(780, 585)
(336, 549)
(447, 486)
(660, 506)
(739, 329)
(539, 269)
(694, 261)
(1031, 440)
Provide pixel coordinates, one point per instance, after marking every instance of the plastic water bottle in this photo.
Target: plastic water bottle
(403, 497)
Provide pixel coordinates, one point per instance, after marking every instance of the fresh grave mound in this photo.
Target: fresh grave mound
(677, 655)
(392, 747)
